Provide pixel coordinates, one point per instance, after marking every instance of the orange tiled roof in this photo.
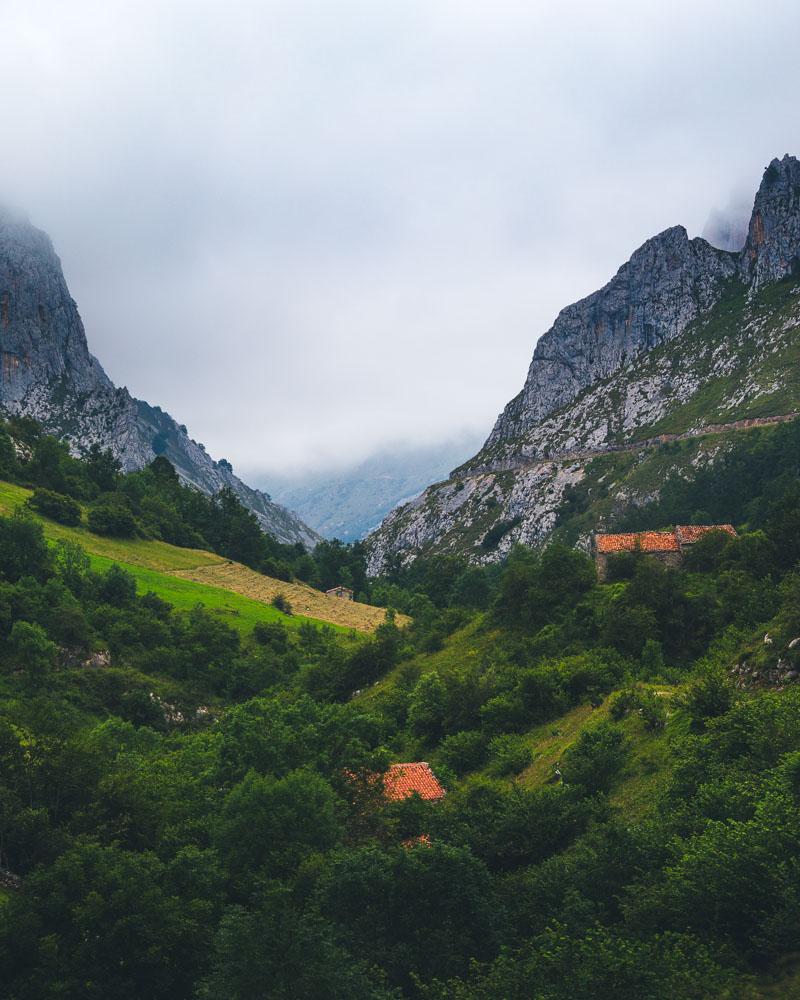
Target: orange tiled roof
(647, 541)
(689, 533)
(402, 780)
(424, 840)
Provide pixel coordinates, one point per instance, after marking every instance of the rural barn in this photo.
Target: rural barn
(668, 547)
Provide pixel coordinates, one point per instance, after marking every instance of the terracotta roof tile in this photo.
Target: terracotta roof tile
(647, 541)
(402, 780)
(687, 534)
(423, 840)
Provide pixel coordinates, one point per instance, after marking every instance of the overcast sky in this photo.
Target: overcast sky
(308, 229)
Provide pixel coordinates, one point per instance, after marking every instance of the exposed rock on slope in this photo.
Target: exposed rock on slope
(666, 284)
(49, 374)
(683, 336)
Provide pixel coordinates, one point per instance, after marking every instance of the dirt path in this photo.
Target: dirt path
(515, 465)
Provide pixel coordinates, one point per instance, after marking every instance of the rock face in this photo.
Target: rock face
(665, 285)
(772, 250)
(682, 336)
(49, 374)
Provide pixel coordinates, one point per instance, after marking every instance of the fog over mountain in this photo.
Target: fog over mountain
(309, 229)
(347, 503)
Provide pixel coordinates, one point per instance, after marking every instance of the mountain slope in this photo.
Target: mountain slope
(188, 577)
(49, 374)
(348, 504)
(683, 337)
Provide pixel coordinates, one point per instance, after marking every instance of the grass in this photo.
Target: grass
(145, 552)
(188, 577)
(240, 612)
(233, 578)
(648, 763)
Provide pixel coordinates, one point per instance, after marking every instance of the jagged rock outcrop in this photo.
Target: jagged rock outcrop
(683, 336)
(48, 373)
(772, 250)
(665, 285)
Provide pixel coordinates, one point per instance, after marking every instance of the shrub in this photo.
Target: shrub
(462, 752)
(645, 702)
(508, 755)
(56, 506)
(594, 760)
(495, 534)
(111, 518)
(281, 603)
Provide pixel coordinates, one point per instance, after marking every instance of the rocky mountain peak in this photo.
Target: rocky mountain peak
(666, 283)
(772, 250)
(681, 339)
(48, 373)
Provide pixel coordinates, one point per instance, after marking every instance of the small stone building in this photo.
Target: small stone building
(343, 593)
(668, 547)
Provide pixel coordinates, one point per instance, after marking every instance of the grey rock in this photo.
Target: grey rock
(772, 250)
(665, 285)
(615, 363)
(48, 373)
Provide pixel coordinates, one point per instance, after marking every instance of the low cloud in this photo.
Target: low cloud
(308, 229)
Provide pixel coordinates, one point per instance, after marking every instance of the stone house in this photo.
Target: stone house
(669, 547)
(343, 593)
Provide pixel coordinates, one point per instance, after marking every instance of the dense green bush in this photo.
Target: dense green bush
(55, 506)
(508, 754)
(111, 517)
(595, 759)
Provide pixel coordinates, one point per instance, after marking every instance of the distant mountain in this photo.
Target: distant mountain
(47, 372)
(683, 338)
(348, 503)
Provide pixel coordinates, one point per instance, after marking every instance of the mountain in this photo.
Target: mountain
(348, 503)
(684, 338)
(49, 374)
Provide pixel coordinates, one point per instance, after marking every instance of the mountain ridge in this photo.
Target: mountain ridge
(682, 328)
(48, 373)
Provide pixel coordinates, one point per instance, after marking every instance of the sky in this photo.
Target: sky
(311, 229)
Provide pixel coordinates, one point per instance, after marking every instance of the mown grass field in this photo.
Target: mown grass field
(184, 577)
(238, 579)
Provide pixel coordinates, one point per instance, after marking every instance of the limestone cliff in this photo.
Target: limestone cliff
(683, 336)
(49, 374)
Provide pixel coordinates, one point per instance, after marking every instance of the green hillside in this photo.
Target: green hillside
(193, 808)
(153, 563)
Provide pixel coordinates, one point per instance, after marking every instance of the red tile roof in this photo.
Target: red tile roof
(401, 781)
(423, 840)
(647, 541)
(687, 534)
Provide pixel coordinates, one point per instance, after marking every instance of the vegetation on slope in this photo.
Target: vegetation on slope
(196, 813)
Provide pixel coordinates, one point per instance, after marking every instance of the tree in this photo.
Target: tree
(56, 506)
(273, 823)
(103, 922)
(424, 911)
(111, 516)
(278, 951)
(32, 651)
(427, 707)
(595, 759)
(117, 587)
(103, 469)
(23, 549)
